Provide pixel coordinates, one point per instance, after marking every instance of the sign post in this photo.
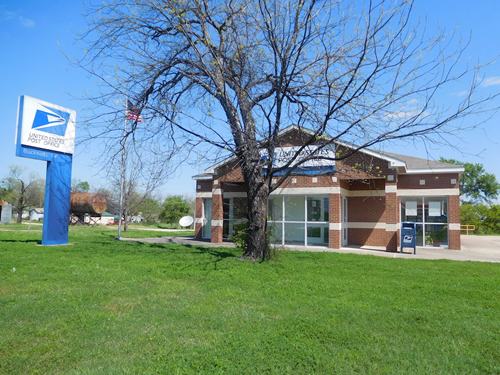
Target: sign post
(46, 131)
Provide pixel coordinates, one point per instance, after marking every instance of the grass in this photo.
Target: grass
(100, 306)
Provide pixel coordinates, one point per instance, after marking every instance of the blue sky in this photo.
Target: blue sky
(36, 37)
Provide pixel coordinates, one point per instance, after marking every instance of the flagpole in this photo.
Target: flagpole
(122, 172)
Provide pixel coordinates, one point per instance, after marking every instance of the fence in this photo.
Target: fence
(467, 228)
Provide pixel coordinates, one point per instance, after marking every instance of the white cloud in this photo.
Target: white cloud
(8, 15)
(491, 81)
(26, 22)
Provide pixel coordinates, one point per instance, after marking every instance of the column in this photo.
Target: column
(217, 213)
(391, 215)
(454, 222)
(334, 213)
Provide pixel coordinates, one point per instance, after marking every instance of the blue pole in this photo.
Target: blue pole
(57, 200)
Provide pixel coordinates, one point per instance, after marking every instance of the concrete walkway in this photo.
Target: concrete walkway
(474, 248)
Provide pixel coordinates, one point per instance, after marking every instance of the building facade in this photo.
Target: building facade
(360, 201)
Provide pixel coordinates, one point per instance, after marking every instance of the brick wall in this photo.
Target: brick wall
(366, 209)
(198, 214)
(334, 238)
(432, 181)
(367, 237)
(454, 221)
(217, 213)
(391, 216)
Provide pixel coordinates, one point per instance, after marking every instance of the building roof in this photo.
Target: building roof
(419, 164)
(410, 164)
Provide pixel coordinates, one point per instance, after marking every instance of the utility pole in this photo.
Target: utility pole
(123, 163)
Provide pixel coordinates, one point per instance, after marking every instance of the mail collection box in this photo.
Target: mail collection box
(409, 235)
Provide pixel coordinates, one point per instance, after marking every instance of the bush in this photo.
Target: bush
(240, 239)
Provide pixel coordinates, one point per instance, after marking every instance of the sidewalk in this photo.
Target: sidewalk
(474, 248)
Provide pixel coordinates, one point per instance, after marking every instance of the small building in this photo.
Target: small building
(36, 214)
(5, 212)
(358, 201)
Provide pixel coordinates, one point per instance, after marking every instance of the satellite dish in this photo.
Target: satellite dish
(186, 221)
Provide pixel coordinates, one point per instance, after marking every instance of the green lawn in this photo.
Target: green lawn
(100, 306)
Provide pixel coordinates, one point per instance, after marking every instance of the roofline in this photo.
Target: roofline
(393, 162)
(202, 177)
(435, 170)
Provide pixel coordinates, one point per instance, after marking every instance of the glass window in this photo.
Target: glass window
(294, 208)
(436, 210)
(317, 209)
(292, 226)
(436, 235)
(275, 208)
(294, 233)
(226, 205)
(240, 208)
(412, 209)
(317, 234)
(275, 232)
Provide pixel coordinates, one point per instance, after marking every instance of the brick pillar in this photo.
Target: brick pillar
(391, 215)
(217, 212)
(334, 213)
(198, 217)
(454, 222)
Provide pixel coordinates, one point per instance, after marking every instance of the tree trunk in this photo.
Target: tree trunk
(257, 243)
(125, 220)
(19, 216)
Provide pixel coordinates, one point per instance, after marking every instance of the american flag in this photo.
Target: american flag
(133, 113)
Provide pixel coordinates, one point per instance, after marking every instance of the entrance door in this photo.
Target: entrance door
(207, 218)
(344, 221)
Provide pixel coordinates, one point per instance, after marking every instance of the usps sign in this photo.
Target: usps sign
(45, 126)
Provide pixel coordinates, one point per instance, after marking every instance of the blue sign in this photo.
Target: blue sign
(46, 131)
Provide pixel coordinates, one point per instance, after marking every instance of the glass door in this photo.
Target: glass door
(207, 218)
(344, 221)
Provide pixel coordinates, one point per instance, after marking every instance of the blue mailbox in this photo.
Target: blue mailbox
(409, 235)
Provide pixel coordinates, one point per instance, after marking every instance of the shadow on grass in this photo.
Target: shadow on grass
(217, 254)
(21, 241)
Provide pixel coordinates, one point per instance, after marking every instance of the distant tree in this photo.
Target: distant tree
(21, 191)
(150, 209)
(476, 185)
(81, 186)
(174, 208)
(485, 218)
(111, 200)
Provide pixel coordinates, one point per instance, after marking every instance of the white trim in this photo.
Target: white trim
(391, 227)
(454, 226)
(306, 191)
(204, 194)
(217, 191)
(216, 223)
(435, 170)
(234, 194)
(362, 193)
(334, 226)
(366, 225)
(391, 188)
(202, 177)
(427, 192)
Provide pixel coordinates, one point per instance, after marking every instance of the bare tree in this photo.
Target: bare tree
(228, 75)
(23, 192)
